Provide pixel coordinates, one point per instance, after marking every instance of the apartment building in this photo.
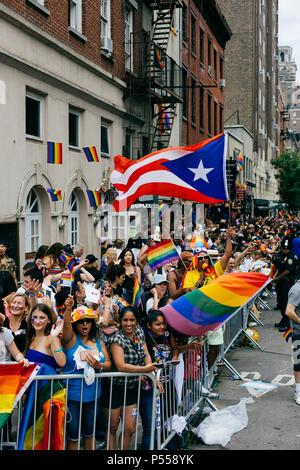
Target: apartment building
(251, 93)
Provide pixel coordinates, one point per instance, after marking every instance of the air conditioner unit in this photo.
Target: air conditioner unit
(106, 44)
(222, 82)
(268, 75)
(209, 69)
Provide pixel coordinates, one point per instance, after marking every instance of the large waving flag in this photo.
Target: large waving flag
(195, 173)
(42, 425)
(14, 381)
(137, 293)
(209, 307)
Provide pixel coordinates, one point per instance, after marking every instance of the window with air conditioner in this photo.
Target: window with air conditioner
(106, 41)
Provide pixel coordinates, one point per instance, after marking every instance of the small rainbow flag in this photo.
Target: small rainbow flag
(164, 120)
(157, 57)
(210, 306)
(91, 154)
(281, 213)
(162, 208)
(121, 302)
(290, 217)
(68, 260)
(162, 253)
(54, 153)
(94, 197)
(238, 156)
(175, 31)
(67, 280)
(288, 334)
(55, 194)
(137, 293)
(14, 380)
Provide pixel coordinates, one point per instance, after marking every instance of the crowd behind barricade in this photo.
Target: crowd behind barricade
(75, 313)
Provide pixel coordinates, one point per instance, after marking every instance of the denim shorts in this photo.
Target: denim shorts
(87, 419)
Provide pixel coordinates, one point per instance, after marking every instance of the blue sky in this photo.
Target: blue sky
(289, 28)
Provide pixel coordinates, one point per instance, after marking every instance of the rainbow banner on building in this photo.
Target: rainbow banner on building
(162, 253)
(238, 156)
(91, 154)
(42, 425)
(206, 309)
(94, 197)
(164, 120)
(55, 194)
(157, 57)
(54, 153)
(14, 381)
(137, 293)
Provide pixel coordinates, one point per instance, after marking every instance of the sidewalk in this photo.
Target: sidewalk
(273, 416)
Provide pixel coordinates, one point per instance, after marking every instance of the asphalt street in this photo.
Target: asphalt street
(273, 415)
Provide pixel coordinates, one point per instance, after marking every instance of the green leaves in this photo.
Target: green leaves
(288, 176)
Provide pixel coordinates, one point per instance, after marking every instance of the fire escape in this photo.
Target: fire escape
(163, 74)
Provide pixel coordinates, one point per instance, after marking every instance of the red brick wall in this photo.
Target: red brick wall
(191, 132)
(57, 24)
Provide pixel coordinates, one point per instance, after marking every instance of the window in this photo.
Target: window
(215, 118)
(74, 128)
(193, 99)
(184, 93)
(209, 48)
(33, 116)
(221, 67)
(215, 64)
(221, 119)
(76, 15)
(209, 103)
(73, 220)
(201, 112)
(193, 33)
(128, 144)
(201, 45)
(33, 222)
(128, 39)
(184, 23)
(104, 145)
(105, 18)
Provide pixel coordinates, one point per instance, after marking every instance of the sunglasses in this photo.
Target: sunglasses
(203, 257)
(84, 320)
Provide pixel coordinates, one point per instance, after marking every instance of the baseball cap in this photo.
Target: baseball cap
(91, 258)
(159, 278)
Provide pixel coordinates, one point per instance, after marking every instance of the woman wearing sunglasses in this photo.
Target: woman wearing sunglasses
(85, 354)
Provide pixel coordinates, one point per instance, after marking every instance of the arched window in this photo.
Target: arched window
(73, 220)
(33, 222)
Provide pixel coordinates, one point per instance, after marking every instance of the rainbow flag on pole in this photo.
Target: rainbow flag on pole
(208, 308)
(162, 253)
(42, 425)
(55, 194)
(121, 302)
(91, 154)
(14, 381)
(137, 293)
(54, 153)
(68, 260)
(94, 197)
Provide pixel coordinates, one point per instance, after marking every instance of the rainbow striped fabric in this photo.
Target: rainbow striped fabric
(208, 308)
(91, 154)
(47, 415)
(14, 381)
(164, 121)
(198, 242)
(162, 208)
(54, 152)
(68, 260)
(94, 197)
(55, 194)
(121, 302)
(288, 334)
(162, 253)
(157, 57)
(137, 293)
(238, 156)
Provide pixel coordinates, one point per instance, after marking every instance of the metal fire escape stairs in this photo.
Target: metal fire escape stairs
(159, 71)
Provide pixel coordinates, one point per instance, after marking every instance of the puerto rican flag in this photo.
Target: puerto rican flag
(195, 173)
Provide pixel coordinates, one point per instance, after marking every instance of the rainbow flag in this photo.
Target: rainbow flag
(121, 302)
(94, 197)
(42, 429)
(91, 154)
(290, 217)
(55, 194)
(54, 153)
(68, 260)
(137, 293)
(281, 213)
(14, 381)
(162, 208)
(67, 279)
(198, 242)
(157, 57)
(288, 334)
(164, 120)
(238, 156)
(162, 253)
(210, 306)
